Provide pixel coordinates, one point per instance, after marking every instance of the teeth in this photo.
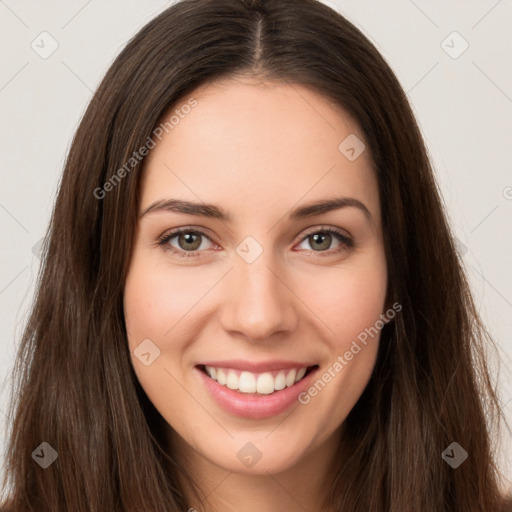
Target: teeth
(290, 378)
(221, 377)
(280, 381)
(232, 380)
(265, 384)
(299, 376)
(248, 382)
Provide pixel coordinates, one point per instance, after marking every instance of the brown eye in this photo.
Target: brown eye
(322, 241)
(189, 242)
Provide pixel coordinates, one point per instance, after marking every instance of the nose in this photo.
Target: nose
(259, 305)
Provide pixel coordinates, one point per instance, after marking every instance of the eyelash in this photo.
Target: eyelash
(163, 242)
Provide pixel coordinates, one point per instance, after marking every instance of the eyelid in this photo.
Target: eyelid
(321, 228)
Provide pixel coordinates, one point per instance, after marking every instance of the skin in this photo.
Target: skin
(257, 150)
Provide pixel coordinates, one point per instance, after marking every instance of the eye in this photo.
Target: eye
(322, 239)
(189, 242)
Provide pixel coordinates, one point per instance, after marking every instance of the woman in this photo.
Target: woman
(251, 298)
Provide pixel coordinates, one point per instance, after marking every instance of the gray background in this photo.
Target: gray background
(463, 104)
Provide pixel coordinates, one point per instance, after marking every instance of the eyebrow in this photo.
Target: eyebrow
(215, 212)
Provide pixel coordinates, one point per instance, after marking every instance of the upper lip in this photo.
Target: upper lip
(257, 367)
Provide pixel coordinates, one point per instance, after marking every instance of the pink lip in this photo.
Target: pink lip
(251, 366)
(252, 405)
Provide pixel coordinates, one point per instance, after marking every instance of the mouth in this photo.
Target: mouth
(255, 391)
(257, 383)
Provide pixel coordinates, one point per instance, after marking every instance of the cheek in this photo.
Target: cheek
(156, 300)
(347, 299)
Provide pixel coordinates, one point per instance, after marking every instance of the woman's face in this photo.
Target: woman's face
(256, 290)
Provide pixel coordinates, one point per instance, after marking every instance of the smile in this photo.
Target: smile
(255, 391)
(263, 383)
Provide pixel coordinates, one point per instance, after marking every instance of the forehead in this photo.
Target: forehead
(259, 147)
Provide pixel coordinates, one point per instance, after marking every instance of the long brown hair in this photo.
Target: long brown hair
(75, 387)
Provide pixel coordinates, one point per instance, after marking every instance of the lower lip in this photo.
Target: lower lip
(256, 406)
